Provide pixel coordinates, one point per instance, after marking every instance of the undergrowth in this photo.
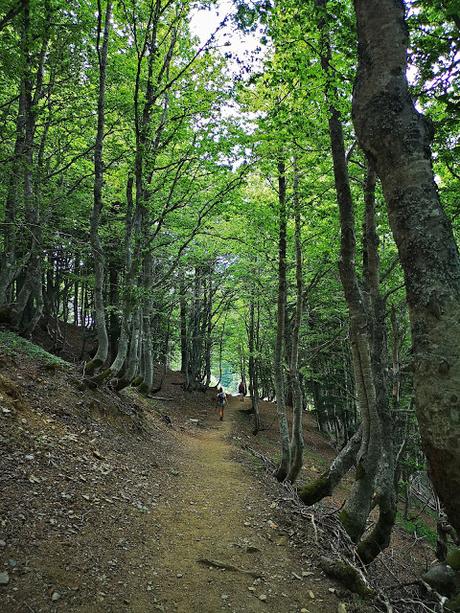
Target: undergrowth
(418, 528)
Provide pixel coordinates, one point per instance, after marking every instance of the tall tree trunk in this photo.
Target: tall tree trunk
(252, 367)
(146, 381)
(385, 492)
(9, 266)
(29, 302)
(196, 340)
(116, 367)
(96, 244)
(356, 510)
(398, 138)
(114, 324)
(183, 323)
(297, 399)
(207, 324)
(133, 361)
(278, 371)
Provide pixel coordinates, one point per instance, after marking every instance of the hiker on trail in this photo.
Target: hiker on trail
(221, 400)
(242, 390)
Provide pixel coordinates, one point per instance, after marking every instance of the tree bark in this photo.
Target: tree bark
(398, 138)
(297, 442)
(29, 301)
(357, 508)
(385, 492)
(278, 371)
(96, 244)
(328, 481)
(183, 323)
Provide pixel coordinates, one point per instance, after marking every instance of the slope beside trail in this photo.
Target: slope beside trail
(114, 503)
(219, 512)
(110, 502)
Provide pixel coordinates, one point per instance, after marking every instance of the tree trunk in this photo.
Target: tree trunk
(207, 324)
(398, 138)
(252, 368)
(115, 369)
(28, 308)
(297, 442)
(96, 244)
(145, 382)
(385, 492)
(9, 266)
(133, 354)
(183, 323)
(357, 508)
(328, 481)
(278, 371)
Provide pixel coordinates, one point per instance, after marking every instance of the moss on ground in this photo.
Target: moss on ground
(14, 345)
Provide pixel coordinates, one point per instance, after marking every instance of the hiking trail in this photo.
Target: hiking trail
(219, 513)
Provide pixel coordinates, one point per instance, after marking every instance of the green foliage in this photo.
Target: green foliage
(418, 528)
(204, 146)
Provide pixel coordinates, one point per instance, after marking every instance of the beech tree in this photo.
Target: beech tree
(398, 138)
(168, 205)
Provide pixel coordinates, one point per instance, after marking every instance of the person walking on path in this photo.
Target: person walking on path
(221, 400)
(242, 390)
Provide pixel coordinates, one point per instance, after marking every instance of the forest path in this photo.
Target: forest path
(219, 512)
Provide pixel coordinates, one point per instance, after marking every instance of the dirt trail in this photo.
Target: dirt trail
(219, 512)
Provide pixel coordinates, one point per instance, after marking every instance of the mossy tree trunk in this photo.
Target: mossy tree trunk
(328, 481)
(398, 138)
(385, 491)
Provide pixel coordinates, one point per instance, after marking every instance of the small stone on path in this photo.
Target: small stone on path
(262, 597)
(4, 578)
(55, 596)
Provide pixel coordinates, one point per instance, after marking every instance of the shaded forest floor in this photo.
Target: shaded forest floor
(109, 505)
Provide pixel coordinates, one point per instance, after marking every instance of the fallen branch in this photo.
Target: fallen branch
(230, 567)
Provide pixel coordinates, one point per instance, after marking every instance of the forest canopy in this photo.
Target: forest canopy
(266, 192)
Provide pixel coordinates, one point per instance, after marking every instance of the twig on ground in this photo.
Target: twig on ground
(330, 535)
(229, 567)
